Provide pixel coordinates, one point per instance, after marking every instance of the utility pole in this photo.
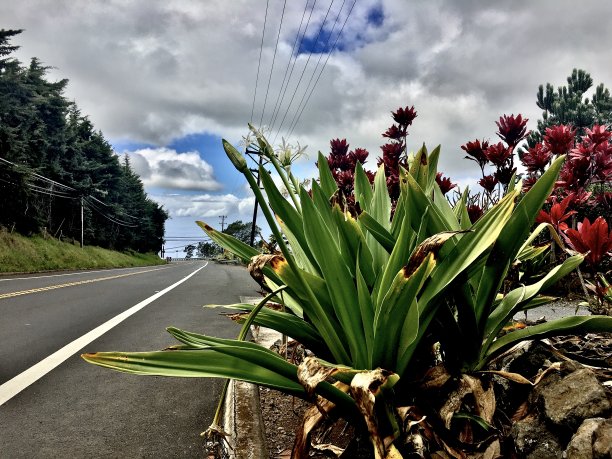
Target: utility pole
(222, 222)
(81, 221)
(254, 222)
(261, 161)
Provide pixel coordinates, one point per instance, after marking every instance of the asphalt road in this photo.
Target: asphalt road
(78, 410)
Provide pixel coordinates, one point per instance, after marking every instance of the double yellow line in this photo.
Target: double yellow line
(72, 284)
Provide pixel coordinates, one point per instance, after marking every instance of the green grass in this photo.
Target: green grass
(19, 254)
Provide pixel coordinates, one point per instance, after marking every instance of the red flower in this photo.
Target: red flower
(444, 183)
(529, 182)
(602, 164)
(583, 151)
(537, 158)
(395, 133)
(498, 154)
(474, 212)
(598, 134)
(593, 238)
(488, 182)
(476, 151)
(359, 155)
(404, 116)
(512, 130)
(504, 174)
(339, 147)
(558, 214)
(559, 139)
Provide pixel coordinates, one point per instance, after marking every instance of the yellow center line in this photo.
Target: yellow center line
(72, 284)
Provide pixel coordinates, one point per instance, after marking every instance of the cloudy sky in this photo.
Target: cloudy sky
(166, 80)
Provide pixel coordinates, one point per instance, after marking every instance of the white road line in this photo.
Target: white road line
(12, 387)
(80, 273)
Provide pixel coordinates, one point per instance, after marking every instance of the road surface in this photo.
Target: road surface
(54, 405)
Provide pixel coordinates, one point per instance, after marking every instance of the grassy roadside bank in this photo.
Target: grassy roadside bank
(34, 254)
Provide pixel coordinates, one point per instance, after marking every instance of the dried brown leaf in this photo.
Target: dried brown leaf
(364, 389)
(311, 373)
(515, 377)
(430, 245)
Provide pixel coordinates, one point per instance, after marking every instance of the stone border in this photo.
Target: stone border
(242, 418)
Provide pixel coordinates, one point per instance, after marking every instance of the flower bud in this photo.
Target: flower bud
(235, 156)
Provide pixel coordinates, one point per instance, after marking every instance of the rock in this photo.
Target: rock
(573, 399)
(602, 441)
(533, 440)
(581, 444)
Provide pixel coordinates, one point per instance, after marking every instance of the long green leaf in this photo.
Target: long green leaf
(328, 184)
(389, 319)
(378, 231)
(511, 304)
(240, 249)
(341, 286)
(565, 326)
(469, 248)
(512, 238)
(283, 322)
(363, 188)
(196, 364)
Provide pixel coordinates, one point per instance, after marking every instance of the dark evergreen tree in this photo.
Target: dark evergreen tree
(569, 105)
(53, 161)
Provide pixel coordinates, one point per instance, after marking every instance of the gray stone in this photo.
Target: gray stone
(533, 440)
(602, 441)
(581, 444)
(576, 397)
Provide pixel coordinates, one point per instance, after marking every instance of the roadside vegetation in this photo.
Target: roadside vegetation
(58, 174)
(20, 254)
(404, 298)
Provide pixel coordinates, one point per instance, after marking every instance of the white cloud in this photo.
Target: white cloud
(206, 206)
(155, 71)
(165, 168)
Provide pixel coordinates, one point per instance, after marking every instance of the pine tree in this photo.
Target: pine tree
(569, 105)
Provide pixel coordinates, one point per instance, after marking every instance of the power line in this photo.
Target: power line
(314, 72)
(293, 65)
(324, 65)
(288, 63)
(272, 66)
(259, 63)
(92, 206)
(303, 71)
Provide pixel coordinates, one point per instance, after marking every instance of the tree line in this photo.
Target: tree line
(55, 166)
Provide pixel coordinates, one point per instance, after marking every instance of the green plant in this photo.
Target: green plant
(368, 294)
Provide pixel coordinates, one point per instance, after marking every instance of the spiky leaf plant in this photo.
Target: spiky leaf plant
(368, 292)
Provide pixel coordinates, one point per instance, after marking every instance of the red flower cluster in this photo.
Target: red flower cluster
(558, 214)
(559, 139)
(404, 116)
(342, 164)
(392, 152)
(444, 183)
(592, 238)
(476, 152)
(512, 130)
(498, 154)
(537, 158)
(488, 182)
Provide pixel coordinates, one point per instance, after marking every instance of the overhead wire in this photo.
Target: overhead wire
(303, 71)
(62, 194)
(314, 72)
(293, 65)
(259, 63)
(324, 65)
(272, 66)
(289, 63)
(114, 220)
